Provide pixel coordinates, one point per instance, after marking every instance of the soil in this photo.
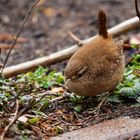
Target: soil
(48, 25)
(62, 115)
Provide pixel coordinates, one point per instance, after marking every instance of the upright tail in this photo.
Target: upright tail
(102, 24)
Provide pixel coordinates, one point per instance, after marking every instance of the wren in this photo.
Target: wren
(97, 66)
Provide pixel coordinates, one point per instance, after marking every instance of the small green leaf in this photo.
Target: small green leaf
(59, 130)
(33, 120)
(44, 103)
(114, 98)
(75, 98)
(127, 91)
(78, 108)
(39, 113)
(45, 80)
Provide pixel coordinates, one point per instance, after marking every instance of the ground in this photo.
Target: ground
(47, 32)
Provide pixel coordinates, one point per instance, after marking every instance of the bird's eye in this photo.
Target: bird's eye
(81, 72)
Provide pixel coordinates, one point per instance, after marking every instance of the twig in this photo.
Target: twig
(96, 111)
(18, 34)
(137, 9)
(12, 121)
(78, 41)
(67, 123)
(119, 29)
(48, 93)
(57, 99)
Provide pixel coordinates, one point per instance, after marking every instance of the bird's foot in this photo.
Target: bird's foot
(96, 111)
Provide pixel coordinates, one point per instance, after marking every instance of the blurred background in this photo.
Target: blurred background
(47, 28)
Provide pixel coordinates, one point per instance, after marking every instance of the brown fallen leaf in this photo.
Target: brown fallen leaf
(49, 12)
(135, 39)
(1, 65)
(1, 130)
(9, 37)
(7, 46)
(23, 119)
(57, 90)
(136, 72)
(127, 46)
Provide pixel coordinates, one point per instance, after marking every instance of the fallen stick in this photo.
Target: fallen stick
(117, 30)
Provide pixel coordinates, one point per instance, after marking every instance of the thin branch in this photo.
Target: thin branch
(49, 93)
(57, 99)
(11, 122)
(137, 9)
(18, 34)
(75, 38)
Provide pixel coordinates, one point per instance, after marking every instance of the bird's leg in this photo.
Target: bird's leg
(96, 111)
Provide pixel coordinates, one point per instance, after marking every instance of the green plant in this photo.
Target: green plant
(43, 79)
(130, 86)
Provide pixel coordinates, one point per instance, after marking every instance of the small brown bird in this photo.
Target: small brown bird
(98, 66)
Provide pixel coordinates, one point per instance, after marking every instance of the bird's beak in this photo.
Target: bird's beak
(66, 83)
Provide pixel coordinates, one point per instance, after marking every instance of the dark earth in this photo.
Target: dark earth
(48, 25)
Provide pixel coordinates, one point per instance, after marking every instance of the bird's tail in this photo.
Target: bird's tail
(102, 24)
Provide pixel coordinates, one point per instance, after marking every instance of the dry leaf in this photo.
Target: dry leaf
(23, 119)
(35, 18)
(135, 39)
(126, 46)
(49, 12)
(1, 65)
(7, 46)
(9, 37)
(1, 130)
(57, 90)
(136, 72)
